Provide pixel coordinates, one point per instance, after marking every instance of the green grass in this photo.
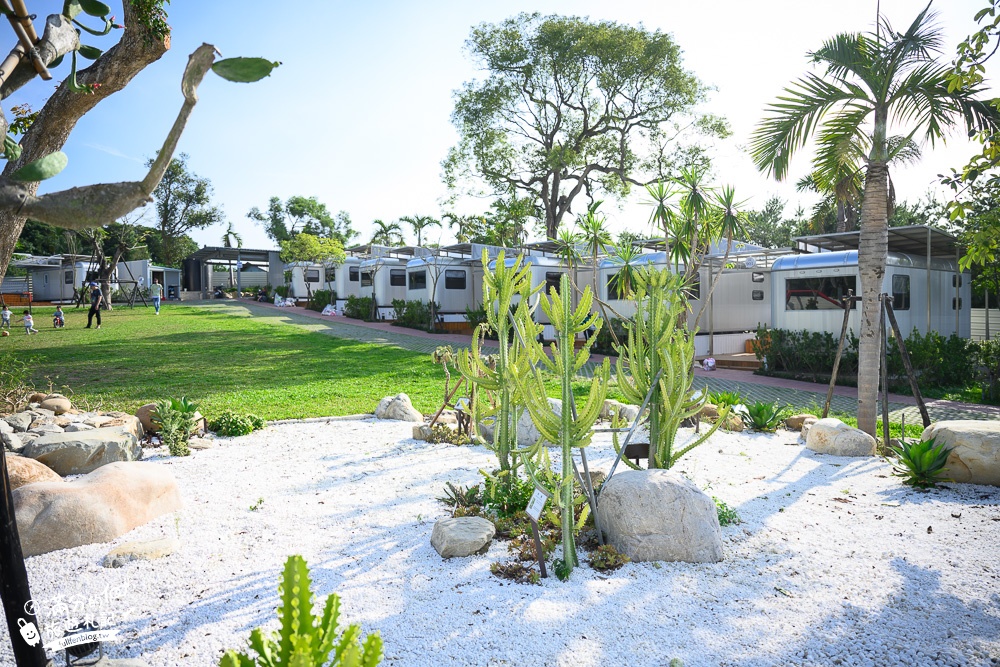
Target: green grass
(914, 429)
(221, 362)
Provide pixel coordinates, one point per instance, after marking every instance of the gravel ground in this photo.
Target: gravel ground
(835, 563)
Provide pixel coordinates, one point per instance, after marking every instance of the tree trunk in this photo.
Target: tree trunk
(841, 216)
(57, 119)
(871, 267)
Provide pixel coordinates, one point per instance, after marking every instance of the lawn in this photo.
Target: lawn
(219, 361)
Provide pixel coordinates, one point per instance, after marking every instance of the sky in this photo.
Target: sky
(358, 115)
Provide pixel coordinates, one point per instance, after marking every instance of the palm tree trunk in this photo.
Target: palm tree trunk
(841, 216)
(871, 266)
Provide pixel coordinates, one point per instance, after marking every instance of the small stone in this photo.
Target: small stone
(421, 431)
(733, 422)
(5, 427)
(12, 441)
(795, 422)
(398, 407)
(58, 404)
(37, 397)
(76, 427)
(709, 411)
(462, 536)
(145, 550)
(145, 417)
(97, 421)
(834, 437)
(200, 443)
(45, 429)
(19, 421)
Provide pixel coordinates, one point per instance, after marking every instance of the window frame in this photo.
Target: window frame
(310, 275)
(817, 284)
(449, 280)
(412, 284)
(900, 297)
(397, 273)
(353, 274)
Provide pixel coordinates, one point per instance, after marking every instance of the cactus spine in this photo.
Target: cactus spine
(566, 429)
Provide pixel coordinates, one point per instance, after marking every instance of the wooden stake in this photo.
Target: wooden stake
(538, 548)
(884, 372)
(907, 364)
(846, 304)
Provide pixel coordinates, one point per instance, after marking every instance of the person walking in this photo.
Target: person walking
(29, 323)
(155, 292)
(96, 298)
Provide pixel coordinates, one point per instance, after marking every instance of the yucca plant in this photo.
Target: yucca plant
(921, 463)
(567, 429)
(722, 399)
(762, 416)
(304, 639)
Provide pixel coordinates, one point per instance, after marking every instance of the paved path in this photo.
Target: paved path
(753, 387)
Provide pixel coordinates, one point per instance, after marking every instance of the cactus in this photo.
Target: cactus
(303, 638)
(497, 395)
(658, 344)
(566, 429)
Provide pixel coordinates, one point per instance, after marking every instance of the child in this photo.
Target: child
(58, 318)
(5, 317)
(29, 323)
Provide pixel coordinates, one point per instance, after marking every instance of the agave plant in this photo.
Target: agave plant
(920, 463)
(762, 416)
(723, 399)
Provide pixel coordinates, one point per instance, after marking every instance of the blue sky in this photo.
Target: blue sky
(358, 114)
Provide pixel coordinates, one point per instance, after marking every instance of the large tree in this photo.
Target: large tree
(283, 220)
(571, 107)
(183, 203)
(871, 84)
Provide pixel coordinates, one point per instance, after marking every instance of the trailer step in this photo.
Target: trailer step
(740, 361)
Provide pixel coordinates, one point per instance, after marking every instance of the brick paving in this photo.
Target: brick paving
(752, 387)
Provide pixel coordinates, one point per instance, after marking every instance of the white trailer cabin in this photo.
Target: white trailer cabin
(807, 289)
(545, 273)
(307, 278)
(929, 291)
(384, 279)
(454, 288)
(346, 281)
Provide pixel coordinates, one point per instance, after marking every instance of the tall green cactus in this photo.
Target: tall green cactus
(659, 344)
(496, 397)
(304, 640)
(565, 429)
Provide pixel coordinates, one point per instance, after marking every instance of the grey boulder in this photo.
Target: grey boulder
(834, 437)
(659, 515)
(462, 536)
(398, 407)
(79, 453)
(19, 421)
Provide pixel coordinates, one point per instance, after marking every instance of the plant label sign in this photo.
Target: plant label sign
(536, 504)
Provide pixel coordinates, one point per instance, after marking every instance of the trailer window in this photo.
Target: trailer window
(614, 294)
(820, 293)
(418, 280)
(757, 295)
(68, 278)
(354, 274)
(312, 275)
(454, 279)
(366, 279)
(959, 304)
(397, 277)
(757, 277)
(900, 292)
(552, 279)
(329, 275)
(694, 287)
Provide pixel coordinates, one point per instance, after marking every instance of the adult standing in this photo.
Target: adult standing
(155, 292)
(96, 299)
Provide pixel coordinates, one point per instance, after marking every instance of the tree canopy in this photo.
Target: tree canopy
(183, 203)
(305, 247)
(283, 220)
(571, 107)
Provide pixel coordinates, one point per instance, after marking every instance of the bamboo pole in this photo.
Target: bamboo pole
(846, 303)
(883, 364)
(26, 41)
(907, 364)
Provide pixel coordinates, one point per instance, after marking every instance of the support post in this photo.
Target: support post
(907, 364)
(711, 309)
(14, 583)
(958, 292)
(987, 313)
(239, 278)
(884, 372)
(846, 304)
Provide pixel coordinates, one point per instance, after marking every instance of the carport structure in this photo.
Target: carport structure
(194, 272)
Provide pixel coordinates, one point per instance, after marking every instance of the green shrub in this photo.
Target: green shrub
(476, 316)
(920, 463)
(412, 314)
(232, 424)
(604, 343)
(321, 298)
(358, 308)
(762, 416)
(175, 418)
(303, 638)
(506, 494)
(606, 558)
(282, 291)
(727, 515)
(989, 362)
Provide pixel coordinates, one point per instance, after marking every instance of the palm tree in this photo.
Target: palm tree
(230, 239)
(387, 233)
(871, 83)
(419, 224)
(464, 224)
(727, 225)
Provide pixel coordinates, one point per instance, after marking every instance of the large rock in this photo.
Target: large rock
(24, 471)
(98, 507)
(834, 437)
(12, 441)
(527, 434)
(975, 457)
(147, 550)
(57, 403)
(462, 536)
(45, 429)
(5, 427)
(79, 453)
(795, 422)
(398, 407)
(652, 515)
(127, 422)
(145, 417)
(20, 421)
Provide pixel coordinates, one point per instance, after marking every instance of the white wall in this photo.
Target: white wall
(979, 323)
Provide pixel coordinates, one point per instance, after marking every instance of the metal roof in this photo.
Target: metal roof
(231, 254)
(911, 240)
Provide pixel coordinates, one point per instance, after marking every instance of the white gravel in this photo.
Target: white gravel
(835, 563)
